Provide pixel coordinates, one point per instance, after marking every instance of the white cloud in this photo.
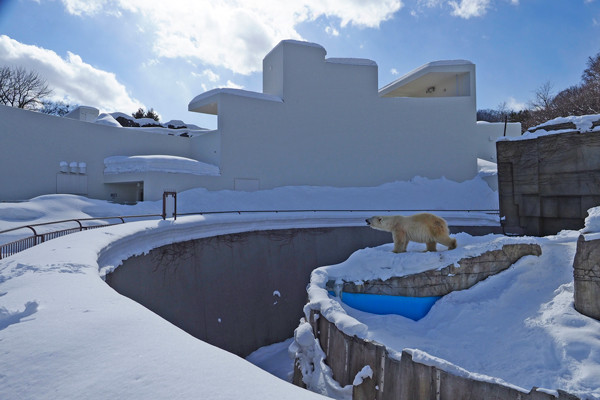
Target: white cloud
(233, 85)
(430, 3)
(330, 30)
(235, 34)
(515, 105)
(463, 8)
(469, 8)
(70, 78)
(394, 71)
(208, 74)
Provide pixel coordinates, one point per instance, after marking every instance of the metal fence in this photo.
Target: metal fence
(83, 224)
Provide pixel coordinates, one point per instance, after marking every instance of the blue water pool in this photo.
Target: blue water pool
(414, 308)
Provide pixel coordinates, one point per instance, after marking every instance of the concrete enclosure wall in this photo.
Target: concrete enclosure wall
(586, 274)
(404, 378)
(241, 291)
(547, 184)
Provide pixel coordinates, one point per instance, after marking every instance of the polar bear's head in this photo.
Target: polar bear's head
(381, 223)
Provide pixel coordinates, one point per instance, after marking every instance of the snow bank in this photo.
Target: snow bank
(107, 119)
(592, 221)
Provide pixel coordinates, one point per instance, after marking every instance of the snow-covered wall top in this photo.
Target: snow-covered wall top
(581, 124)
(158, 163)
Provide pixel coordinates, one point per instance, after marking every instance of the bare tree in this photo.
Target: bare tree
(543, 96)
(21, 88)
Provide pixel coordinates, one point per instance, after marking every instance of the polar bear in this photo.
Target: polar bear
(423, 228)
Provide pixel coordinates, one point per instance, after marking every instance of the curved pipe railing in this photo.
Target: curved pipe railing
(19, 245)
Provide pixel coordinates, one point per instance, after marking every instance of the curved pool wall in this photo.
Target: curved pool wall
(238, 291)
(245, 290)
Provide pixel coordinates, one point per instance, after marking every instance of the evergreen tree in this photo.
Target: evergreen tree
(140, 113)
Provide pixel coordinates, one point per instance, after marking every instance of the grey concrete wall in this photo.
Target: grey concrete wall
(221, 289)
(403, 379)
(586, 274)
(547, 184)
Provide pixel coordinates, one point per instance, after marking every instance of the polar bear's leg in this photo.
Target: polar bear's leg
(431, 246)
(400, 241)
(448, 242)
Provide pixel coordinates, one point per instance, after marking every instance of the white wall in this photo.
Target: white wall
(321, 122)
(487, 133)
(33, 144)
(332, 127)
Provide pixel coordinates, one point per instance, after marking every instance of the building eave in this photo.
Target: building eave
(427, 74)
(208, 102)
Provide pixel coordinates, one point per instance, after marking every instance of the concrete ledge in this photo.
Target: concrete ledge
(403, 378)
(440, 282)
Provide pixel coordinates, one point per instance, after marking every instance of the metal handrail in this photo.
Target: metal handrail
(8, 249)
(78, 221)
(19, 245)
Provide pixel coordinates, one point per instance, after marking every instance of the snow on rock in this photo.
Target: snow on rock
(365, 372)
(316, 374)
(592, 221)
(581, 124)
(381, 263)
(158, 163)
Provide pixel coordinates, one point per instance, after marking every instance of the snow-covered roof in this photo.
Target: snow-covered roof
(83, 113)
(352, 61)
(158, 163)
(433, 74)
(299, 43)
(107, 119)
(208, 102)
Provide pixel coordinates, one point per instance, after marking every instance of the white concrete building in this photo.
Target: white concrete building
(323, 121)
(318, 121)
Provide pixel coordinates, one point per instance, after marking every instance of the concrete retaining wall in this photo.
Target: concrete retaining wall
(586, 273)
(403, 379)
(547, 184)
(440, 282)
(241, 291)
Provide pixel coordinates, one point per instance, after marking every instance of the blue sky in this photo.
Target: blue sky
(119, 55)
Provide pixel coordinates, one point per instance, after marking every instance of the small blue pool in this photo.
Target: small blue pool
(414, 308)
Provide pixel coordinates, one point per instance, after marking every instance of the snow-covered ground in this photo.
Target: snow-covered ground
(65, 334)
